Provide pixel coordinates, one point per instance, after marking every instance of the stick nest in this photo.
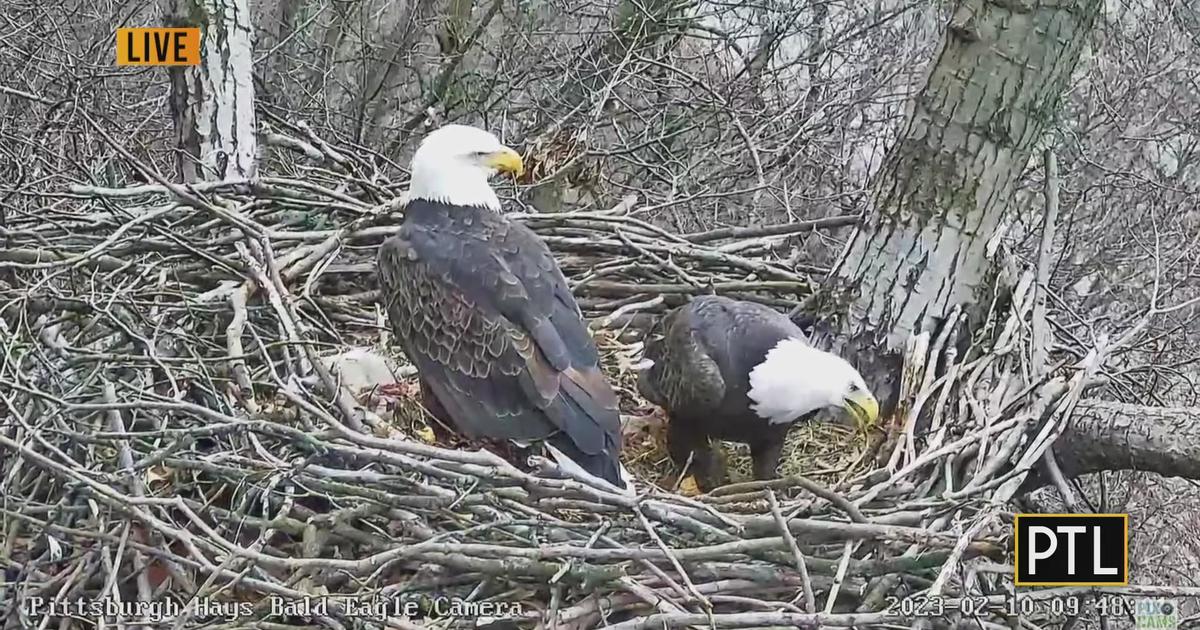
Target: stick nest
(177, 446)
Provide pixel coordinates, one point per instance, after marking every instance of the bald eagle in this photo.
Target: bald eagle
(481, 308)
(742, 372)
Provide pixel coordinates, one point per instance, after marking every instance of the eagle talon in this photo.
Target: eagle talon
(426, 435)
(689, 487)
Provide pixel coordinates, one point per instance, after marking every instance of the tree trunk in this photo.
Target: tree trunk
(940, 198)
(944, 191)
(946, 185)
(213, 103)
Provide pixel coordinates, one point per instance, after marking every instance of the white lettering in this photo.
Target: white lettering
(1034, 554)
(1099, 570)
(1071, 531)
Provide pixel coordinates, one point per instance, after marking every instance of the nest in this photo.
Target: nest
(822, 451)
(178, 451)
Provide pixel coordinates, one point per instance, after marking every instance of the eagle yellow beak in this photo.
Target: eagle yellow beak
(506, 161)
(865, 409)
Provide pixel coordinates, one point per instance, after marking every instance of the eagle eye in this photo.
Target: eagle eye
(853, 387)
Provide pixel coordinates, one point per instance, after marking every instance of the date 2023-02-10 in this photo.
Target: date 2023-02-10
(1009, 605)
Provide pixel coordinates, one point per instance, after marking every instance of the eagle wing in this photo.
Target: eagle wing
(481, 307)
(705, 348)
(685, 377)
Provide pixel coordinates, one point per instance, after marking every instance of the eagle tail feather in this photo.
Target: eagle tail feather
(601, 465)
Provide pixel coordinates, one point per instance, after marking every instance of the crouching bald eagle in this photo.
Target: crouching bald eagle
(481, 308)
(741, 372)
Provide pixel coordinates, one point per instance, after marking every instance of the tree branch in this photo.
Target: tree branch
(1106, 435)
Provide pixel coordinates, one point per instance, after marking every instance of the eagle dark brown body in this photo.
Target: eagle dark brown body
(480, 306)
(703, 353)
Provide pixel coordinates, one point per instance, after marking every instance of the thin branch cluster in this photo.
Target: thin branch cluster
(173, 434)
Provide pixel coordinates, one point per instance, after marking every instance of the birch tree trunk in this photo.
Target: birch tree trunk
(946, 185)
(213, 103)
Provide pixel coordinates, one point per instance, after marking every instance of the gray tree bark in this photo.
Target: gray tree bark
(946, 185)
(945, 189)
(1106, 435)
(213, 103)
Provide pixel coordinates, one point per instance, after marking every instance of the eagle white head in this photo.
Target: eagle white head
(796, 378)
(453, 163)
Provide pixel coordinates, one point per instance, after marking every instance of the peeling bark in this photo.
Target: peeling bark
(213, 103)
(944, 188)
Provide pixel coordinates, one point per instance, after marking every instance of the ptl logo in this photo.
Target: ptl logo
(1071, 549)
(158, 46)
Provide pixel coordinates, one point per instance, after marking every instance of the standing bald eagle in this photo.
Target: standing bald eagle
(482, 309)
(742, 372)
